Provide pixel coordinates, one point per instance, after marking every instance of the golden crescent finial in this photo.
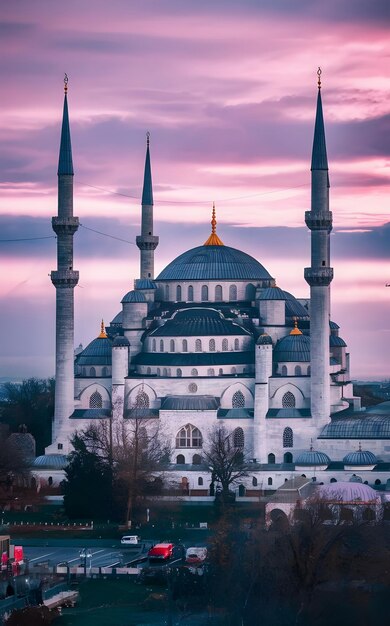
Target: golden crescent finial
(213, 240)
(295, 330)
(319, 72)
(103, 334)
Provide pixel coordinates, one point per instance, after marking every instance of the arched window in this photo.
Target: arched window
(234, 370)
(179, 373)
(288, 438)
(172, 345)
(154, 345)
(194, 372)
(271, 458)
(250, 292)
(200, 481)
(308, 370)
(238, 438)
(236, 344)
(238, 400)
(333, 480)
(205, 293)
(232, 292)
(218, 293)
(185, 345)
(92, 371)
(196, 459)
(84, 371)
(220, 372)
(298, 370)
(254, 481)
(288, 400)
(378, 482)
(210, 371)
(148, 371)
(178, 293)
(104, 371)
(225, 344)
(50, 481)
(198, 345)
(165, 371)
(190, 293)
(142, 400)
(288, 457)
(241, 491)
(212, 345)
(161, 345)
(270, 481)
(158, 371)
(95, 400)
(166, 292)
(180, 460)
(284, 370)
(189, 437)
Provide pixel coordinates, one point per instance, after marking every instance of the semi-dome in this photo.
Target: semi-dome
(217, 262)
(51, 462)
(293, 348)
(359, 426)
(98, 352)
(348, 492)
(335, 342)
(360, 458)
(312, 458)
(134, 296)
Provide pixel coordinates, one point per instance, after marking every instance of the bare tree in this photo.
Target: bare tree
(226, 458)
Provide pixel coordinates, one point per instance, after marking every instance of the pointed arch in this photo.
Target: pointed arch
(190, 293)
(172, 345)
(238, 438)
(95, 400)
(225, 345)
(288, 400)
(288, 437)
(189, 436)
(236, 344)
(198, 345)
(218, 293)
(212, 345)
(178, 293)
(238, 400)
(205, 293)
(233, 292)
(185, 345)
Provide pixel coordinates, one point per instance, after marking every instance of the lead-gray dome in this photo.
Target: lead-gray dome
(264, 340)
(134, 296)
(120, 342)
(98, 352)
(360, 457)
(214, 263)
(348, 492)
(293, 348)
(51, 461)
(312, 457)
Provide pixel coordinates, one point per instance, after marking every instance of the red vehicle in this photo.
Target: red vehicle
(161, 552)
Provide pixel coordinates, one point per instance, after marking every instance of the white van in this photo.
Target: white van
(130, 540)
(196, 555)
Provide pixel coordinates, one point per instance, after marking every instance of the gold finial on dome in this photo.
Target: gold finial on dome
(295, 330)
(213, 240)
(103, 334)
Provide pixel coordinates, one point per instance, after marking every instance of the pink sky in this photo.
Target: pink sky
(228, 92)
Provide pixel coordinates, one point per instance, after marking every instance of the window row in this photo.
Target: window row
(187, 295)
(182, 345)
(142, 401)
(190, 437)
(299, 370)
(91, 371)
(211, 371)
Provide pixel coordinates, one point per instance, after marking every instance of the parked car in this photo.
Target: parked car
(161, 552)
(196, 555)
(130, 540)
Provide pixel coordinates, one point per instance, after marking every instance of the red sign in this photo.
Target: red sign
(18, 554)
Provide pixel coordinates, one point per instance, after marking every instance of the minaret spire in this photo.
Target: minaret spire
(213, 240)
(147, 242)
(64, 279)
(319, 275)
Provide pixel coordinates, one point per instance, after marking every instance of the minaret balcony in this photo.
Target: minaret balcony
(64, 278)
(320, 221)
(318, 276)
(65, 225)
(147, 242)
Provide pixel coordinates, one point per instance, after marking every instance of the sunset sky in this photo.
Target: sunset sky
(227, 90)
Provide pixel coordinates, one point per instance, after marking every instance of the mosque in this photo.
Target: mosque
(215, 340)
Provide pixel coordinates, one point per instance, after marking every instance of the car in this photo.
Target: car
(161, 552)
(196, 555)
(130, 540)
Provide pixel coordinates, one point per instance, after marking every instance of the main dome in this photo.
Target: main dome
(214, 263)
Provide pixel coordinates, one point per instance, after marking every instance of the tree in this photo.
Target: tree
(226, 458)
(32, 403)
(14, 469)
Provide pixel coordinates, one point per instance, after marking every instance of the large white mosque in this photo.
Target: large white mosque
(215, 340)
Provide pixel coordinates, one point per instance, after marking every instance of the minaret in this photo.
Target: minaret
(320, 274)
(147, 242)
(64, 280)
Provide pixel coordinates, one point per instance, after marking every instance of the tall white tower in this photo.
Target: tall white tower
(64, 279)
(147, 242)
(320, 274)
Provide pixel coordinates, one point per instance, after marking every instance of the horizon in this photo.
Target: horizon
(228, 93)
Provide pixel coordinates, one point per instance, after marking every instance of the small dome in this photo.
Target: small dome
(120, 342)
(335, 341)
(312, 457)
(117, 321)
(133, 296)
(348, 492)
(355, 479)
(360, 457)
(333, 325)
(293, 348)
(145, 283)
(264, 339)
(273, 293)
(51, 461)
(98, 352)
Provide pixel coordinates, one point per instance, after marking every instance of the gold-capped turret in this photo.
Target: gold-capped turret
(103, 334)
(295, 330)
(213, 240)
